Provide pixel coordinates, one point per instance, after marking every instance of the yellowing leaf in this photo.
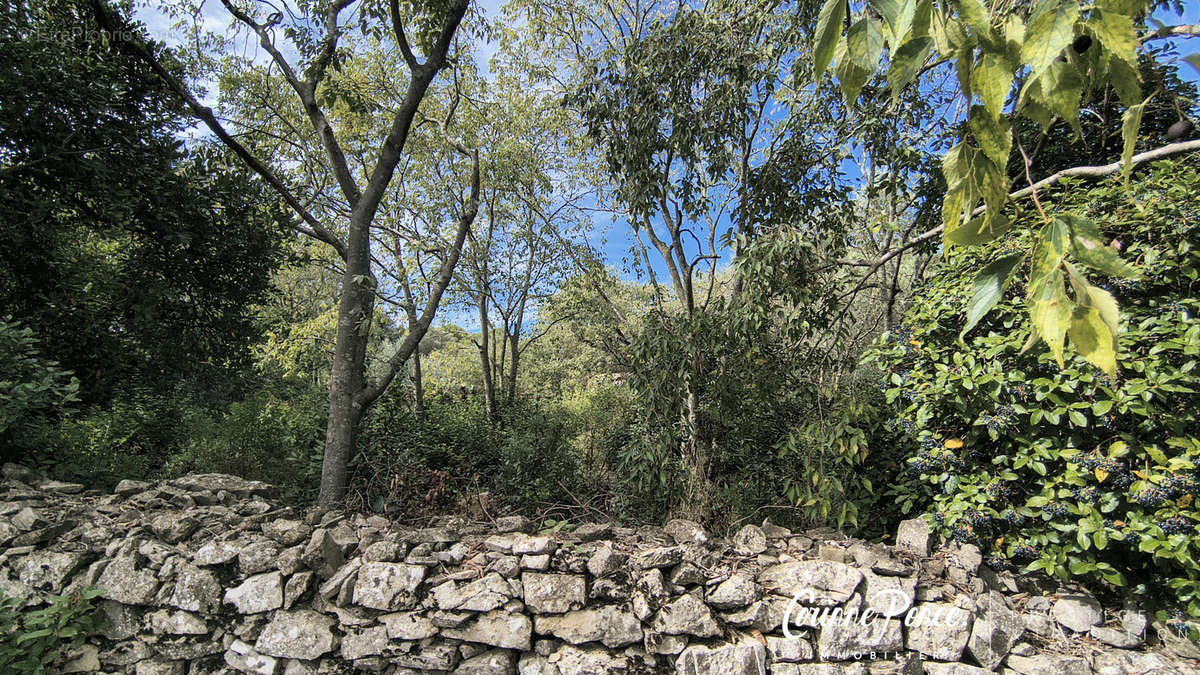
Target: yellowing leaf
(1116, 33)
(1130, 122)
(1101, 474)
(1093, 339)
(954, 443)
(1141, 474)
(1185, 501)
(1050, 31)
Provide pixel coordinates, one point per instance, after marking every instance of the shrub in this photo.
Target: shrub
(31, 387)
(32, 640)
(1065, 471)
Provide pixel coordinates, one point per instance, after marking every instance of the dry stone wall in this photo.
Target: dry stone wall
(205, 574)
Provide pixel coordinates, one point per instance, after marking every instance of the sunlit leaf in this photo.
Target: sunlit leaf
(829, 29)
(990, 285)
(1051, 31)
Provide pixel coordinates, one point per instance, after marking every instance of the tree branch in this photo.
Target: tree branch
(1182, 30)
(114, 26)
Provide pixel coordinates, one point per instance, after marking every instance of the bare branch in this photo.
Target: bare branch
(112, 25)
(1182, 30)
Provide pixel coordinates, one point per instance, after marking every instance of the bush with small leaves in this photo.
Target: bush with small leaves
(30, 641)
(1067, 471)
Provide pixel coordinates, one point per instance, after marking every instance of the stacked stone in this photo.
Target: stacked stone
(205, 574)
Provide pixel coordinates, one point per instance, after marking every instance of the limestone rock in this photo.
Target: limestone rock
(750, 540)
(491, 662)
(244, 658)
(817, 582)
(747, 657)
(914, 536)
(1077, 612)
(258, 556)
(481, 595)
(176, 623)
(49, 570)
(259, 593)
(174, 529)
(686, 531)
(128, 582)
(217, 482)
(365, 642)
(686, 616)
(195, 590)
(845, 640)
(610, 625)
(1115, 638)
(1048, 664)
(287, 532)
(553, 593)
(605, 561)
(216, 553)
(656, 558)
(996, 629)
(408, 626)
(738, 590)
(789, 650)
(507, 630)
(592, 532)
(301, 634)
(387, 586)
(939, 631)
(505, 524)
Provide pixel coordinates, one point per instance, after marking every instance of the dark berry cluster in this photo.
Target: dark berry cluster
(1086, 494)
(1181, 485)
(1108, 422)
(979, 520)
(900, 425)
(935, 460)
(905, 337)
(1132, 538)
(1011, 517)
(1001, 420)
(1024, 552)
(998, 489)
(1117, 473)
(1151, 496)
(1055, 510)
(1174, 306)
(1178, 622)
(1103, 380)
(1177, 524)
(962, 532)
(999, 564)
(1020, 392)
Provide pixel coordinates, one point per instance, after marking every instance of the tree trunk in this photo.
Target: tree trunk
(418, 388)
(347, 377)
(485, 360)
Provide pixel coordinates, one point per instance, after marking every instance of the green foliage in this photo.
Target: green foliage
(273, 436)
(1071, 471)
(30, 641)
(989, 48)
(31, 387)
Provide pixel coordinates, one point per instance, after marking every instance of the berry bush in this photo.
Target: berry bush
(1065, 471)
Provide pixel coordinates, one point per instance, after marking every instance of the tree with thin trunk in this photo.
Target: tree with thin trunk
(304, 49)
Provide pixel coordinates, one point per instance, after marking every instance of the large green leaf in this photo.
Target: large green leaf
(851, 78)
(829, 29)
(976, 231)
(1116, 33)
(907, 62)
(1194, 61)
(864, 43)
(990, 285)
(1125, 79)
(1088, 246)
(991, 80)
(1059, 89)
(1130, 122)
(1051, 31)
(994, 134)
(975, 15)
